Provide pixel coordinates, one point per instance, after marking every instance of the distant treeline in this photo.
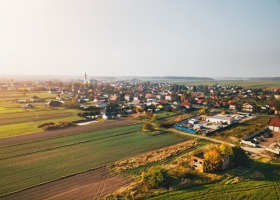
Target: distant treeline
(266, 78)
(178, 78)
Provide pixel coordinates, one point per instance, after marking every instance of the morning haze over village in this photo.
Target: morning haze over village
(133, 99)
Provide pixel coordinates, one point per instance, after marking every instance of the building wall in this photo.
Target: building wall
(274, 128)
(197, 164)
(213, 120)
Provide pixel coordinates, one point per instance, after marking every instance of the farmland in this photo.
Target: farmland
(263, 84)
(15, 120)
(33, 163)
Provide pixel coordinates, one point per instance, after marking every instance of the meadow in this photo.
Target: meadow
(34, 163)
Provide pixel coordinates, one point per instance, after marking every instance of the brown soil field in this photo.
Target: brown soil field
(65, 131)
(93, 184)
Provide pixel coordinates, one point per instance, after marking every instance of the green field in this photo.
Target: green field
(29, 164)
(268, 188)
(254, 190)
(15, 120)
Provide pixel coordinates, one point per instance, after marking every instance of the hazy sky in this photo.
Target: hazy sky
(206, 38)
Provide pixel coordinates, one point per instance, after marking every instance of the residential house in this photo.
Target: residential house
(128, 97)
(114, 99)
(249, 107)
(187, 105)
(274, 124)
(171, 97)
(232, 107)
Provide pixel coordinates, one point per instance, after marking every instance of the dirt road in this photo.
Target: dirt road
(88, 185)
(258, 151)
(66, 131)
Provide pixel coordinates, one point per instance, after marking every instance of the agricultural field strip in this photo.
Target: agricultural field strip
(277, 188)
(71, 184)
(211, 190)
(25, 177)
(41, 117)
(39, 135)
(214, 193)
(32, 113)
(56, 147)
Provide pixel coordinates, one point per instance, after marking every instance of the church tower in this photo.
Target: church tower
(85, 79)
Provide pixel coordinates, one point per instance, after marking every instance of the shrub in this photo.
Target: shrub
(148, 127)
(155, 177)
(166, 124)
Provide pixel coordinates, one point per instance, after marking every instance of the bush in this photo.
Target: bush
(46, 124)
(148, 127)
(52, 125)
(166, 124)
(155, 177)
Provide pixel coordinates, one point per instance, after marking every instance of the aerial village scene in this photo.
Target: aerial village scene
(228, 115)
(139, 99)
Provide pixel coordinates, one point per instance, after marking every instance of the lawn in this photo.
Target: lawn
(29, 164)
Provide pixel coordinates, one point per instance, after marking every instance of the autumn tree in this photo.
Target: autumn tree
(183, 97)
(231, 102)
(225, 149)
(212, 160)
(179, 118)
(203, 111)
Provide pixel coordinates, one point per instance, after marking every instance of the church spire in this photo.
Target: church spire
(85, 79)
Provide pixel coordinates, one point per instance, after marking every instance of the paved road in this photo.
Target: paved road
(258, 151)
(65, 131)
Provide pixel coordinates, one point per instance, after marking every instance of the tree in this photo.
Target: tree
(240, 157)
(225, 149)
(212, 160)
(179, 118)
(155, 177)
(183, 97)
(203, 111)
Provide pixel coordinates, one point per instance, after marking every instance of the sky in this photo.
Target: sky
(202, 38)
